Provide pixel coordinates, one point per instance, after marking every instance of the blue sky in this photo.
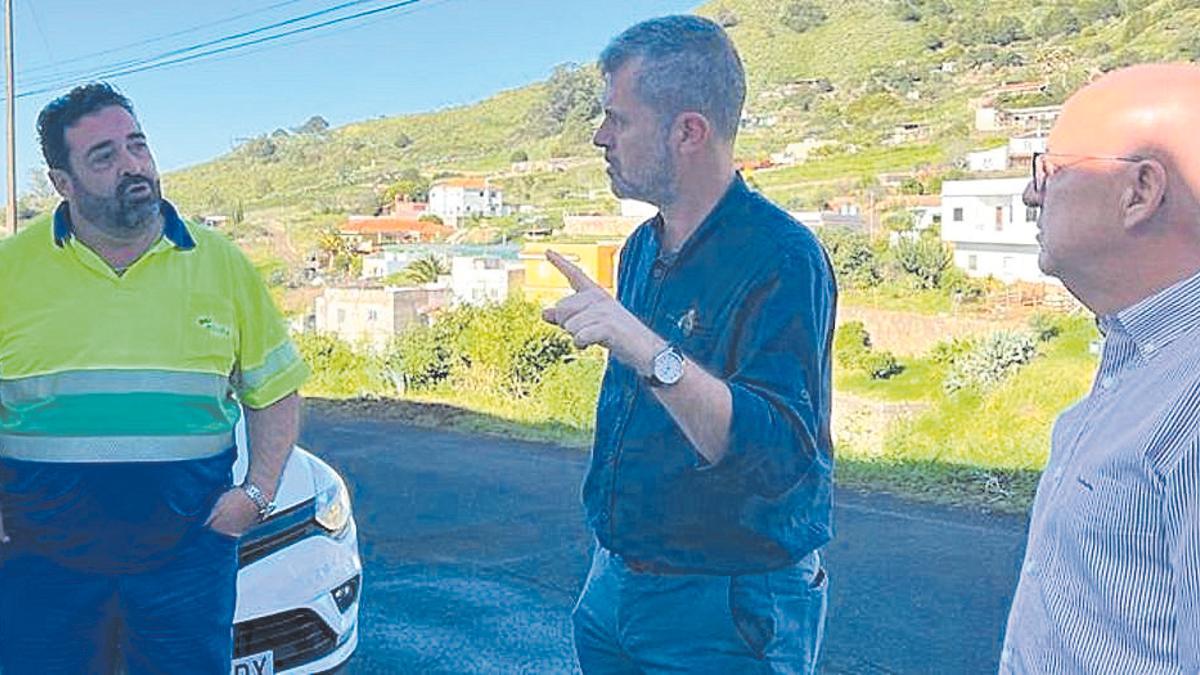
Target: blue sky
(434, 54)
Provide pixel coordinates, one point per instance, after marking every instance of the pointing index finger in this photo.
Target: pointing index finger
(578, 279)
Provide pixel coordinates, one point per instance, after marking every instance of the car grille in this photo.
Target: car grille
(279, 531)
(295, 637)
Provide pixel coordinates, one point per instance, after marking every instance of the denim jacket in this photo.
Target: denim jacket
(750, 297)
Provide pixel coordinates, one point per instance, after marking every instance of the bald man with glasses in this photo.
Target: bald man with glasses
(1111, 576)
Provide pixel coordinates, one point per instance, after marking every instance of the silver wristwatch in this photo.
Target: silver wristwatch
(667, 367)
(265, 507)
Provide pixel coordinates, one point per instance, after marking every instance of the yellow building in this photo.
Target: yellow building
(545, 285)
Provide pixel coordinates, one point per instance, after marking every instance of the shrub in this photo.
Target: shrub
(802, 15)
(507, 345)
(993, 359)
(1045, 326)
(905, 10)
(947, 352)
(339, 369)
(923, 259)
(961, 286)
(420, 358)
(569, 391)
(1057, 21)
(880, 365)
(851, 343)
(855, 261)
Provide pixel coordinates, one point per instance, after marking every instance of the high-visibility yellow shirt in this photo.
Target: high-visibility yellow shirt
(146, 365)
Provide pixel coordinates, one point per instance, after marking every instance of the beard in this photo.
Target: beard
(125, 210)
(651, 181)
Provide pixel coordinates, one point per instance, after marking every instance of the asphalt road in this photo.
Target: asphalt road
(474, 550)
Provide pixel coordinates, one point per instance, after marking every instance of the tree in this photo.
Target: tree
(898, 220)
(315, 125)
(572, 93)
(426, 269)
(855, 261)
(260, 148)
(1006, 30)
(413, 188)
(802, 15)
(402, 141)
(925, 259)
(519, 156)
(1058, 21)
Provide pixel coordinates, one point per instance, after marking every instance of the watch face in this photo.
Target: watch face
(668, 367)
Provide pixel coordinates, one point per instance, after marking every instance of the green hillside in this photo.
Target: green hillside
(848, 72)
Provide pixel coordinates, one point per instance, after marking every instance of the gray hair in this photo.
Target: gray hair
(689, 64)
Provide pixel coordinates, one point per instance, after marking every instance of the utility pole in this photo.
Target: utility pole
(11, 101)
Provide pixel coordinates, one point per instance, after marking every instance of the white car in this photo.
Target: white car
(300, 576)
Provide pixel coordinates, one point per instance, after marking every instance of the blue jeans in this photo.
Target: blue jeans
(632, 622)
(176, 617)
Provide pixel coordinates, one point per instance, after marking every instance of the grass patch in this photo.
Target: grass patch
(451, 414)
(921, 380)
(894, 297)
(979, 447)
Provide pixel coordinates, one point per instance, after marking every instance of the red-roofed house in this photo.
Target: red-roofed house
(370, 233)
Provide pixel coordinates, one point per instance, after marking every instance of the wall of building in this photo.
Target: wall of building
(545, 284)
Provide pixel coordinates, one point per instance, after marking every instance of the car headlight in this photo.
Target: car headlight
(333, 506)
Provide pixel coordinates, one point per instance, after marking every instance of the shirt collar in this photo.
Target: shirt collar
(174, 229)
(734, 195)
(1154, 322)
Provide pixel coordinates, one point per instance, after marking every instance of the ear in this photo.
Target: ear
(693, 131)
(62, 183)
(1145, 194)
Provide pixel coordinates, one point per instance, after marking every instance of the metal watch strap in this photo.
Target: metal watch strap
(256, 495)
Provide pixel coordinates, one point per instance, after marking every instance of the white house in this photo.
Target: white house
(475, 280)
(991, 230)
(386, 263)
(374, 316)
(1023, 147)
(456, 199)
(995, 159)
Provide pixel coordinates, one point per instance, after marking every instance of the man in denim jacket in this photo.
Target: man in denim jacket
(710, 482)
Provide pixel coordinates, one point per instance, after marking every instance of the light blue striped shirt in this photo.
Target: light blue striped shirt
(1111, 579)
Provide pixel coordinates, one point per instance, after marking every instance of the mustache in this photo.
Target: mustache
(132, 181)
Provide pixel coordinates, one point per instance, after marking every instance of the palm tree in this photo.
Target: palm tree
(426, 269)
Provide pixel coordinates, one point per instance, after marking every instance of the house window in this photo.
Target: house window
(999, 218)
(1008, 263)
(341, 316)
(973, 262)
(958, 215)
(372, 315)
(1031, 214)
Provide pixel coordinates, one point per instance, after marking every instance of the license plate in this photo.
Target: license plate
(262, 663)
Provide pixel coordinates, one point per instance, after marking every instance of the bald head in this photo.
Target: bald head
(1120, 217)
(1150, 110)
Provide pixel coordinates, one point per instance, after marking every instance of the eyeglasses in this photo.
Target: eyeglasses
(1043, 168)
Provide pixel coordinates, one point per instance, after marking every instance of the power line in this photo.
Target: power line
(157, 39)
(426, 4)
(37, 23)
(133, 65)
